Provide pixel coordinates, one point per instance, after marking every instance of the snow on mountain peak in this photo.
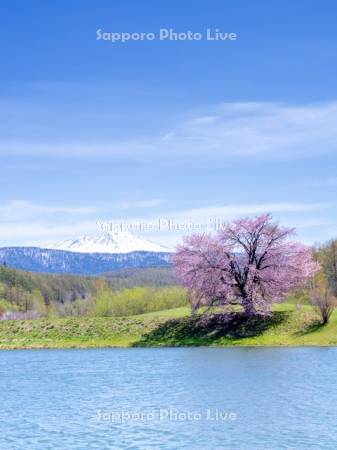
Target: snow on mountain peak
(115, 242)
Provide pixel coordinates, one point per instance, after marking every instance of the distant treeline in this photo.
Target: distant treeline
(154, 276)
(30, 291)
(39, 295)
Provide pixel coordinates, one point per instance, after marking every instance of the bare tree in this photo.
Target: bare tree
(323, 301)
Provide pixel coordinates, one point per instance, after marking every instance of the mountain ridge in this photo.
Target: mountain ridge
(45, 260)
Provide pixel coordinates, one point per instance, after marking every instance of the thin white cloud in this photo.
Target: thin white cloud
(139, 204)
(22, 210)
(18, 210)
(234, 210)
(30, 224)
(259, 130)
(39, 233)
(262, 130)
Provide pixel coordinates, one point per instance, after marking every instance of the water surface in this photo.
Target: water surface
(186, 398)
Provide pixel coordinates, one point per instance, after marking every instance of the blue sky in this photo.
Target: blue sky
(93, 130)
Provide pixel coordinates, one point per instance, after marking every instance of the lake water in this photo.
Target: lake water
(185, 398)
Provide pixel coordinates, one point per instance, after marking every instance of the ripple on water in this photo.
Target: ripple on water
(283, 398)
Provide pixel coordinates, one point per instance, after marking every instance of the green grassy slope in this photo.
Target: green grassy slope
(287, 326)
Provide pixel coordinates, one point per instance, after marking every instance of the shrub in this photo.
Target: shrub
(323, 301)
(140, 300)
(6, 306)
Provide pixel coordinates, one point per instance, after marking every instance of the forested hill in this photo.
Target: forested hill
(142, 276)
(60, 295)
(22, 288)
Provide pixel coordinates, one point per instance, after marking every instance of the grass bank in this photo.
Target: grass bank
(287, 326)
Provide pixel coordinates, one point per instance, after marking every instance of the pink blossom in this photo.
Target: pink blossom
(251, 262)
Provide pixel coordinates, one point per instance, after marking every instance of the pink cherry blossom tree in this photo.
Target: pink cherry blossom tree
(250, 262)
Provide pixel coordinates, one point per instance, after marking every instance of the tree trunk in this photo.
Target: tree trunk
(248, 306)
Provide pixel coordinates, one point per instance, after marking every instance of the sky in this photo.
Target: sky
(182, 130)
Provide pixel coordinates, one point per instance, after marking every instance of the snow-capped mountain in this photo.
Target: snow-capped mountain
(88, 255)
(116, 242)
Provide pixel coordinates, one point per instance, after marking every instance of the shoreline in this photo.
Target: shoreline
(115, 347)
(286, 327)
